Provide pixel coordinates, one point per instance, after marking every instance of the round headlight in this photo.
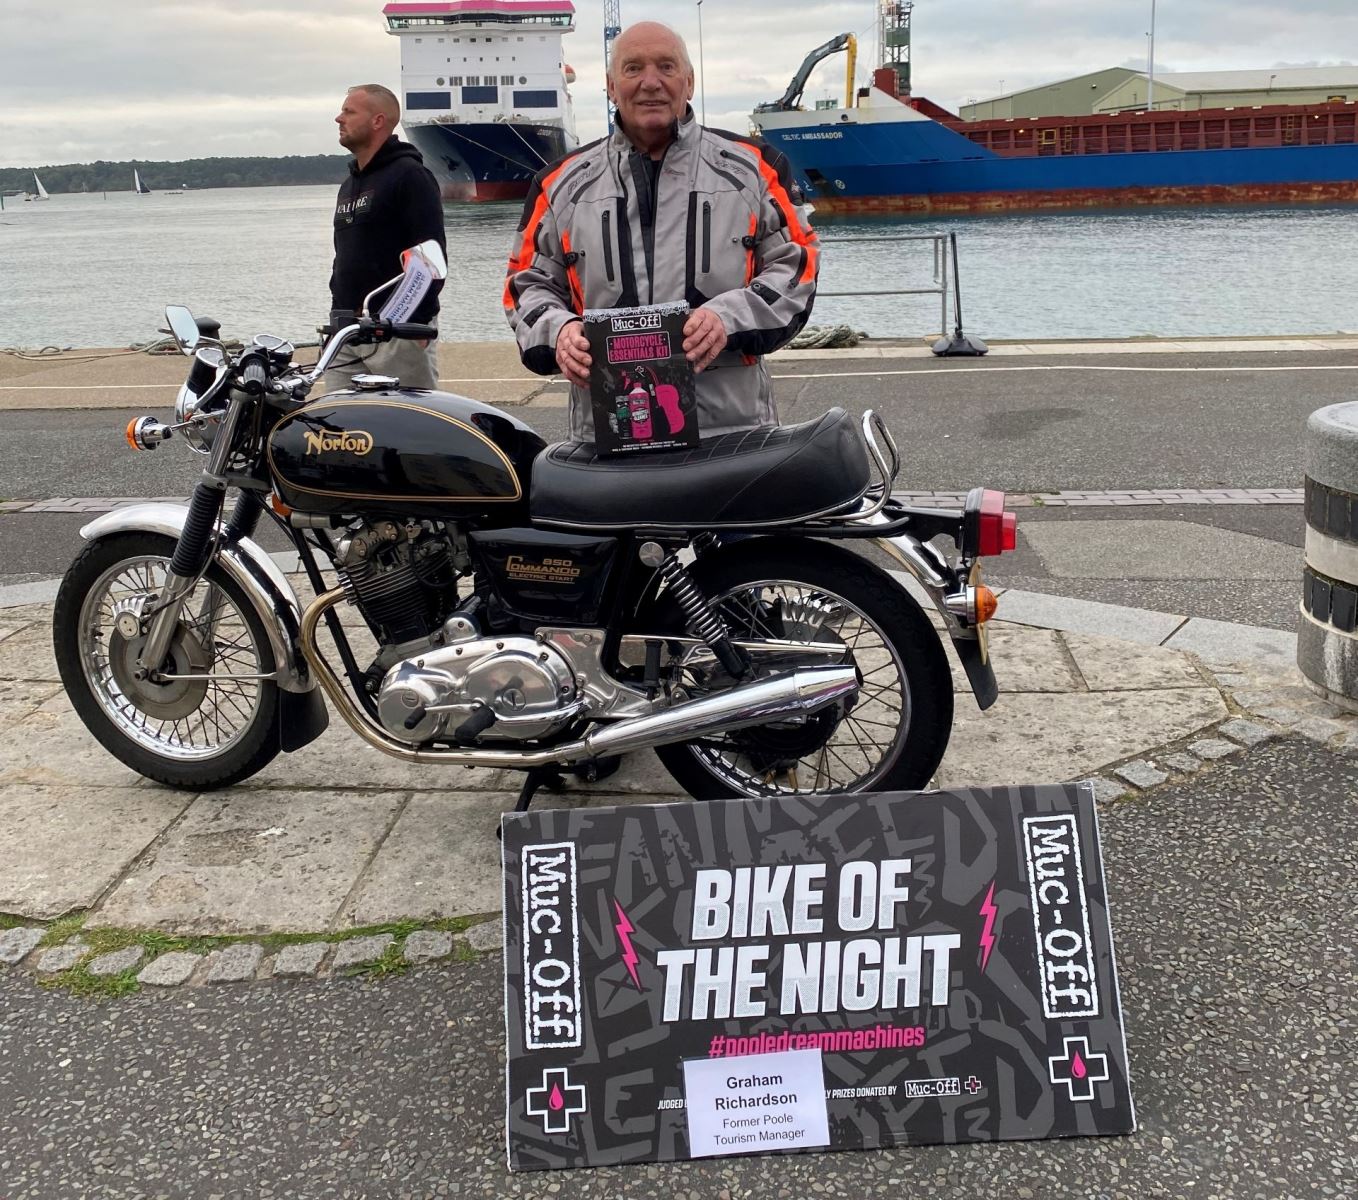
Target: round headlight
(197, 387)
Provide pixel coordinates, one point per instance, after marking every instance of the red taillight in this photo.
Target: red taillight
(997, 530)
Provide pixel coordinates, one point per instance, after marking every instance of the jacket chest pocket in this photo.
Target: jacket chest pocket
(721, 241)
(601, 242)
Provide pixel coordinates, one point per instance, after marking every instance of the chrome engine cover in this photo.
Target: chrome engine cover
(530, 688)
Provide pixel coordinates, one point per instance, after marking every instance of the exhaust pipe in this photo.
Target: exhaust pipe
(799, 692)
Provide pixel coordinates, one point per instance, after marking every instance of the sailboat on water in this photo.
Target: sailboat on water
(137, 186)
(42, 191)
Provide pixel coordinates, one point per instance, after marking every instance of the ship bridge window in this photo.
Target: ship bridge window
(480, 95)
(455, 81)
(535, 99)
(506, 78)
(417, 100)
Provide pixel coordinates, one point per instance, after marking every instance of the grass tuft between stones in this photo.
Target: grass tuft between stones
(78, 981)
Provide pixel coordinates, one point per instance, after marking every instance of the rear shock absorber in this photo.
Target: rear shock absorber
(699, 617)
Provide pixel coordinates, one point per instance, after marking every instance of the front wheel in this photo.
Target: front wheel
(205, 718)
(894, 734)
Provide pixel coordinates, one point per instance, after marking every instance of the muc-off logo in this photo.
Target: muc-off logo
(931, 1089)
(640, 321)
(551, 949)
(1065, 956)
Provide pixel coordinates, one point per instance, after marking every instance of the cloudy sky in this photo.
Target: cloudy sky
(171, 79)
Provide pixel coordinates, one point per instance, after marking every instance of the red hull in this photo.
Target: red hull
(484, 193)
(1345, 192)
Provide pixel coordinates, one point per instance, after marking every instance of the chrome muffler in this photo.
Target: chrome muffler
(780, 697)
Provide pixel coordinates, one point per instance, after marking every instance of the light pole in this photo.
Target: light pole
(1150, 65)
(702, 77)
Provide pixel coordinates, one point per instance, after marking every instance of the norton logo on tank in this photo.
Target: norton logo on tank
(812, 972)
(350, 441)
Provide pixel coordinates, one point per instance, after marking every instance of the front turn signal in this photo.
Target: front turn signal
(146, 433)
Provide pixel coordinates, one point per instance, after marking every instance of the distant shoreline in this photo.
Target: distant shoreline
(194, 174)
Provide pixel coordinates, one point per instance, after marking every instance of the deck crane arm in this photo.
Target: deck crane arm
(791, 97)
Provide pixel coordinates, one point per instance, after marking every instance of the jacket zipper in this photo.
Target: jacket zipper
(608, 247)
(707, 236)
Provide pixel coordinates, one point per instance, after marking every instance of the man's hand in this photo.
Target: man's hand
(572, 354)
(704, 338)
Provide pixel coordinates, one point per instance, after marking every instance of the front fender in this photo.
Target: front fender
(265, 586)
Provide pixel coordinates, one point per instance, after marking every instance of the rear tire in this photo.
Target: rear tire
(189, 734)
(895, 736)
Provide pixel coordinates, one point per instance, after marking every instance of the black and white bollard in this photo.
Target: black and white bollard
(1327, 632)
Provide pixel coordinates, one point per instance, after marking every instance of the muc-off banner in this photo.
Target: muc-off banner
(811, 972)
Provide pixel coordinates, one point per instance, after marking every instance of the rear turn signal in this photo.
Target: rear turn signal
(997, 530)
(986, 604)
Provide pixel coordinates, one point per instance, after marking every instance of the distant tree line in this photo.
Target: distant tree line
(194, 173)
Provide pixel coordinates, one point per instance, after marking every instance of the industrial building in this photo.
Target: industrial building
(1120, 89)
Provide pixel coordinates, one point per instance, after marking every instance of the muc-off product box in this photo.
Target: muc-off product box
(641, 385)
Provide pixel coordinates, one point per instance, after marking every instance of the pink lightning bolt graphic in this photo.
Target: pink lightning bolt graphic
(629, 956)
(989, 911)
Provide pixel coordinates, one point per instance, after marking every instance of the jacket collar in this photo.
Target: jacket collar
(681, 132)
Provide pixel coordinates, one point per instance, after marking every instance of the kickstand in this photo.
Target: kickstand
(535, 778)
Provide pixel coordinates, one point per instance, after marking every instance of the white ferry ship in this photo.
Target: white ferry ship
(485, 90)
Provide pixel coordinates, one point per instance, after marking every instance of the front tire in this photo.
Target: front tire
(189, 733)
(893, 738)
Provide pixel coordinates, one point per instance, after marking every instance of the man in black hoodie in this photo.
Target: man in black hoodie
(389, 202)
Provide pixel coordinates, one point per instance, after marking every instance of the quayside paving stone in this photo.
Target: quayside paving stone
(1112, 665)
(16, 944)
(1106, 790)
(52, 746)
(355, 952)
(1047, 738)
(1026, 660)
(64, 847)
(302, 958)
(1181, 762)
(116, 962)
(1321, 729)
(170, 969)
(27, 652)
(246, 861)
(19, 699)
(441, 857)
(236, 963)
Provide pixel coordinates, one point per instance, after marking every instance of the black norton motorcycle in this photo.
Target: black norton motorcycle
(534, 607)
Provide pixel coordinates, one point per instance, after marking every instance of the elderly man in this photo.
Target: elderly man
(665, 210)
(389, 202)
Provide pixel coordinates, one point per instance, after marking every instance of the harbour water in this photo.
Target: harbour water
(90, 270)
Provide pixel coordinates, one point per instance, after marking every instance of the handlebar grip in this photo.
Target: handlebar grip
(254, 376)
(412, 332)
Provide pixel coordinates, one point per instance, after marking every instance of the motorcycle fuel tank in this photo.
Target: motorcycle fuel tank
(420, 453)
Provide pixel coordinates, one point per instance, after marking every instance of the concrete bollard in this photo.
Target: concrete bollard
(1327, 633)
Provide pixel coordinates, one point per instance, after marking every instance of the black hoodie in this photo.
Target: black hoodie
(390, 205)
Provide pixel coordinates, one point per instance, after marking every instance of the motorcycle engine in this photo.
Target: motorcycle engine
(401, 576)
(528, 688)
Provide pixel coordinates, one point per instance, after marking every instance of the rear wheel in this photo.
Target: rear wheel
(198, 722)
(892, 737)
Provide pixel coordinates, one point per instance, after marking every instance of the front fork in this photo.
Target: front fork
(191, 554)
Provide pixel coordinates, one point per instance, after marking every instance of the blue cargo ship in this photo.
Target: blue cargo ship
(889, 152)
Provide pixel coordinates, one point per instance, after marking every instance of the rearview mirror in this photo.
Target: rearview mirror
(432, 253)
(183, 328)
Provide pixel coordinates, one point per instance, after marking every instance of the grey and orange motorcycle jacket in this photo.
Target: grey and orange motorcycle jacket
(720, 225)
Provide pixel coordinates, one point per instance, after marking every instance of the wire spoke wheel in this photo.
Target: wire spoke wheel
(200, 718)
(179, 718)
(890, 736)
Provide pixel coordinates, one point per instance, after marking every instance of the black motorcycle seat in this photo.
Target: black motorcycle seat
(778, 474)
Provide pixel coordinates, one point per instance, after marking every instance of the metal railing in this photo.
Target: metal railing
(947, 282)
(942, 275)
